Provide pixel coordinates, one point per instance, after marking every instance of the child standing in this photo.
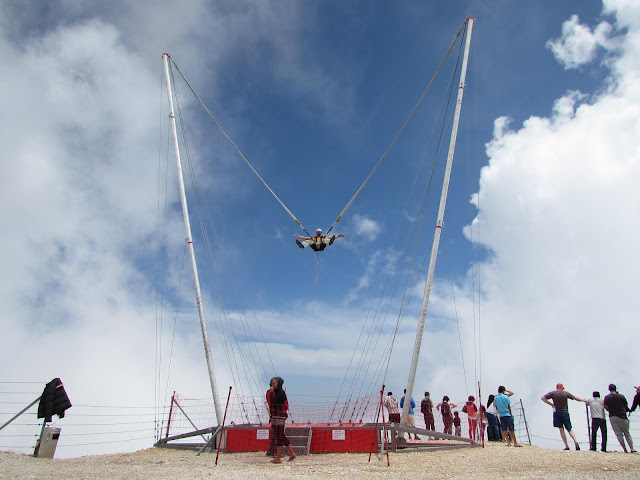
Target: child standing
(482, 421)
(456, 423)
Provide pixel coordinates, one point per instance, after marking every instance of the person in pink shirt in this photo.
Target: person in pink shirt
(472, 412)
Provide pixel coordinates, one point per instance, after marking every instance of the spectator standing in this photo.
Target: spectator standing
(272, 438)
(472, 412)
(426, 407)
(493, 430)
(503, 406)
(411, 419)
(636, 400)
(278, 402)
(391, 402)
(457, 423)
(482, 421)
(561, 418)
(444, 408)
(596, 406)
(617, 406)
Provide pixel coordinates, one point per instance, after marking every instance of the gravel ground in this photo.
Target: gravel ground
(495, 461)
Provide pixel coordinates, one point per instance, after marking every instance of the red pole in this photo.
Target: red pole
(222, 429)
(170, 413)
(384, 424)
(481, 414)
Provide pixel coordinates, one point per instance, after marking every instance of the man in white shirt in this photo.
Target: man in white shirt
(596, 405)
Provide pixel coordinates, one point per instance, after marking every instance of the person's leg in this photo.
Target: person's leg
(512, 431)
(617, 429)
(278, 455)
(627, 434)
(564, 438)
(603, 432)
(594, 434)
(292, 454)
(573, 436)
(280, 438)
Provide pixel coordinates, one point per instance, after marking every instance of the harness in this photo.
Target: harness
(318, 244)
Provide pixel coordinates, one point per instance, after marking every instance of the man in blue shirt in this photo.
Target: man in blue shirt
(503, 405)
(411, 421)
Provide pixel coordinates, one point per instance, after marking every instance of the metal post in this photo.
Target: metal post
(189, 242)
(21, 412)
(526, 425)
(439, 224)
(586, 407)
(170, 413)
(222, 429)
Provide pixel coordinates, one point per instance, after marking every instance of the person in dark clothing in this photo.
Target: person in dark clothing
(493, 427)
(278, 404)
(53, 401)
(272, 439)
(617, 406)
(636, 400)
(426, 407)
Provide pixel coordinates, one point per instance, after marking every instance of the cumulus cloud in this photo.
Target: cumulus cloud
(556, 200)
(578, 44)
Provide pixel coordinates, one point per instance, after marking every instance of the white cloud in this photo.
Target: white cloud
(557, 203)
(367, 227)
(578, 44)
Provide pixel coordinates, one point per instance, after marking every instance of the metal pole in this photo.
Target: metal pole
(586, 407)
(189, 241)
(39, 442)
(438, 230)
(21, 412)
(526, 425)
(222, 429)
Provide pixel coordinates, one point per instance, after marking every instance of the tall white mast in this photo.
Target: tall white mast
(436, 236)
(189, 240)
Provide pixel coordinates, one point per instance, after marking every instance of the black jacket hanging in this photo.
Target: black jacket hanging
(54, 400)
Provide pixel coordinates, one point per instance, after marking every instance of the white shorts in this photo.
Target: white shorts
(411, 421)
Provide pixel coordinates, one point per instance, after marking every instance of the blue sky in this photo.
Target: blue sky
(313, 94)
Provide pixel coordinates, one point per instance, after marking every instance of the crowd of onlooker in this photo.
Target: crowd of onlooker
(496, 419)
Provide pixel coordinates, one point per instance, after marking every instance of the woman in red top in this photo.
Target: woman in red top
(472, 412)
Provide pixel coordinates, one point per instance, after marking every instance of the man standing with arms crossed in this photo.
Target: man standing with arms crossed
(561, 418)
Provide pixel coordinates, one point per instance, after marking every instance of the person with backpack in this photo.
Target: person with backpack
(426, 407)
(444, 408)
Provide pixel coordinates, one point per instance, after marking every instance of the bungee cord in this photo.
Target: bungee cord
(404, 125)
(235, 147)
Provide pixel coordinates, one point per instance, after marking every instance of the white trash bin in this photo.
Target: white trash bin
(48, 443)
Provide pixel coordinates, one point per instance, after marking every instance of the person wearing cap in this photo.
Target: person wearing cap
(317, 243)
(636, 400)
(617, 406)
(561, 419)
(596, 405)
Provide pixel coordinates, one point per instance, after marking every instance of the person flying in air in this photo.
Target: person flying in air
(317, 243)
